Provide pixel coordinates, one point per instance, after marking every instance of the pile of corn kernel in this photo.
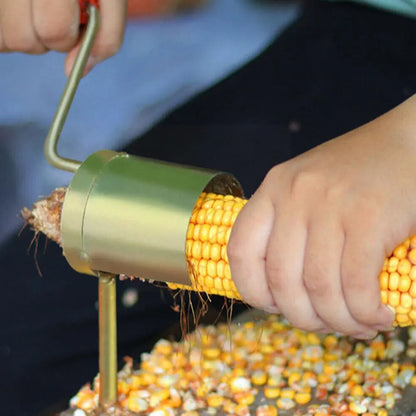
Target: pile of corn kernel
(264, 368)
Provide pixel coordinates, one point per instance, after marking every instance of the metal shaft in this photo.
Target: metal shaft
(107, 339)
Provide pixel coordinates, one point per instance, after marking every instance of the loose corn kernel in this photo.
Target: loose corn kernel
(266, 410)
(244, 398)
(303, 398)
(285, 403)
(240, 384)
(293, 378)
(158, 396)
(215, 400)
(211, 353)
(136, 404)
(271, 392)
(287, 393)
(163, 411)
(259, 378)
(357, 390)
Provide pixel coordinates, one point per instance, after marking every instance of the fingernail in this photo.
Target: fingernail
(387, 324)
(391, 309)
(384, 327)
(366, 335)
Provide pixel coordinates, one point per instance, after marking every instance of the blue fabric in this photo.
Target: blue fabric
(406, 7)
(163, 63)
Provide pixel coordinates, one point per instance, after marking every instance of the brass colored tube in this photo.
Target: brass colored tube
(107, 339)
(127, 214)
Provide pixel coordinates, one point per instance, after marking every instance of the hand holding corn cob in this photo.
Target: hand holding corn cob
(311, 241)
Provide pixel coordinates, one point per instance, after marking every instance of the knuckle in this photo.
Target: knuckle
(52, 33)
(305, 181)
(273, 173)
(316, 283)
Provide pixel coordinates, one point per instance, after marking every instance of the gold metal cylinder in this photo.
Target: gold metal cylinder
(107, 317)
(124, 214)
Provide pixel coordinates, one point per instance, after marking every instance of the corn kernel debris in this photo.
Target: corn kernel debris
(306, 374)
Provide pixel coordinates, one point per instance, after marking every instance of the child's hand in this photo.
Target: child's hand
(37, 26)
(312, 240)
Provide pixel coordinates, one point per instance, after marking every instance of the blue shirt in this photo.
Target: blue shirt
(406, 7)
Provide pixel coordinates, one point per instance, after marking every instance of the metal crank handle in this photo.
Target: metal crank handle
(89, 12)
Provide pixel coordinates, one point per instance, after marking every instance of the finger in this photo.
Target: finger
(247, 251)
(361, 263)
(17, 27)
(284, 266)
(322, 278)
(56, 23)
(109, 37)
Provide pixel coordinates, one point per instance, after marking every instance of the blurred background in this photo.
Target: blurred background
(173, 49)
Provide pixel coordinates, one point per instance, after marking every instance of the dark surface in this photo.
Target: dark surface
(337, 67)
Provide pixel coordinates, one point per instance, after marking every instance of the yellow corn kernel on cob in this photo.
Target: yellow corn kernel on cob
(206, 244)
(206, 254)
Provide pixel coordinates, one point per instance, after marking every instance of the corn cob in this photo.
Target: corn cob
(206, 253)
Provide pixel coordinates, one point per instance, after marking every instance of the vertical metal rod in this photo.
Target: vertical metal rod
(51, 143)
(107, 339)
